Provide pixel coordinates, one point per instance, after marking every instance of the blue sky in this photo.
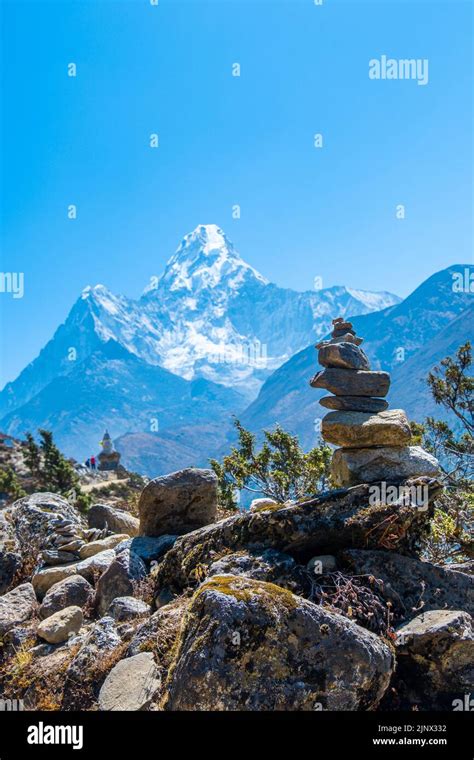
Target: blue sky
(225, 140)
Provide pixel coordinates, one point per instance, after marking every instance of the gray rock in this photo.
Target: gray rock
(131, 684)
(327, 523)
(435, 653)
(52, 557)
(345, 355)
(159, 632)
(57, 628)
(73, 591)
(354, 403)
(351, 382)
(34, 518)
(116, 520)
(411, 585)
(125, 608)
(94, 547)
(148, 548)
(261, 648)
(10, 554)
(43, 579)
(92, 567)
(16, 607)
(362, 429)
(119, 579)
(178, 503)
(95, 656)
(269, 565)
(386, 463)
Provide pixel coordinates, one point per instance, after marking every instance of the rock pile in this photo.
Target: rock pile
(374, 441)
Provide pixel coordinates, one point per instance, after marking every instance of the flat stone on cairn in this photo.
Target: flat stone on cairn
(374, 440)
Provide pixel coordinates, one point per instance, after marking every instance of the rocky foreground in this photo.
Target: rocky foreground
(321, 605)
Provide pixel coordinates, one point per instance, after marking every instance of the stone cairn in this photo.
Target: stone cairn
(374, 441)
(66, 540)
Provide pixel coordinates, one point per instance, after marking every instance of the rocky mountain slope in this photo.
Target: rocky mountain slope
(407, 339)
(114, 387)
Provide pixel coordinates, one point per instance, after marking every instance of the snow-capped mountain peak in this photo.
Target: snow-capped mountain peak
(205, 259)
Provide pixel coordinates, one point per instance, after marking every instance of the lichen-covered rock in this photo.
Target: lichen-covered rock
(34, 518)
(411, 585)
(263, 648)
(91, 664)
(16, 607)
(57, 627)
(178, 503)
(387, 463)
(351, 382)
(361, 429)
(342, 354)
(73, 591)
(326, 524)
(435, 653)
(131, 684)
(10, 554)
(116, 520)
(124, 608)
(268, 565)
(158, 633)
(119, 578)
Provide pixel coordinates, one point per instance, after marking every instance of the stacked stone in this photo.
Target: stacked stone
(66, 540)
(374, 440)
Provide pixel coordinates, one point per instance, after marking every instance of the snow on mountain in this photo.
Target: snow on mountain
(209, 315)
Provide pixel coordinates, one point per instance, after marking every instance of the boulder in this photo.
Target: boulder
(119, 579)
(124, 608)
(362, 429)
(435, 653)
(351, 382)
(345, 355)
(116, 520)
(354, 403)
(43, 579)
(268, 565)
(131, 684)
(35, 516)
(148, 548)
(328, 523)
(16, 607)
(178, 503)
(386, 463)
(411, 585)
(261, 648)
(73, 591)
(57, 628)
(94, 547)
